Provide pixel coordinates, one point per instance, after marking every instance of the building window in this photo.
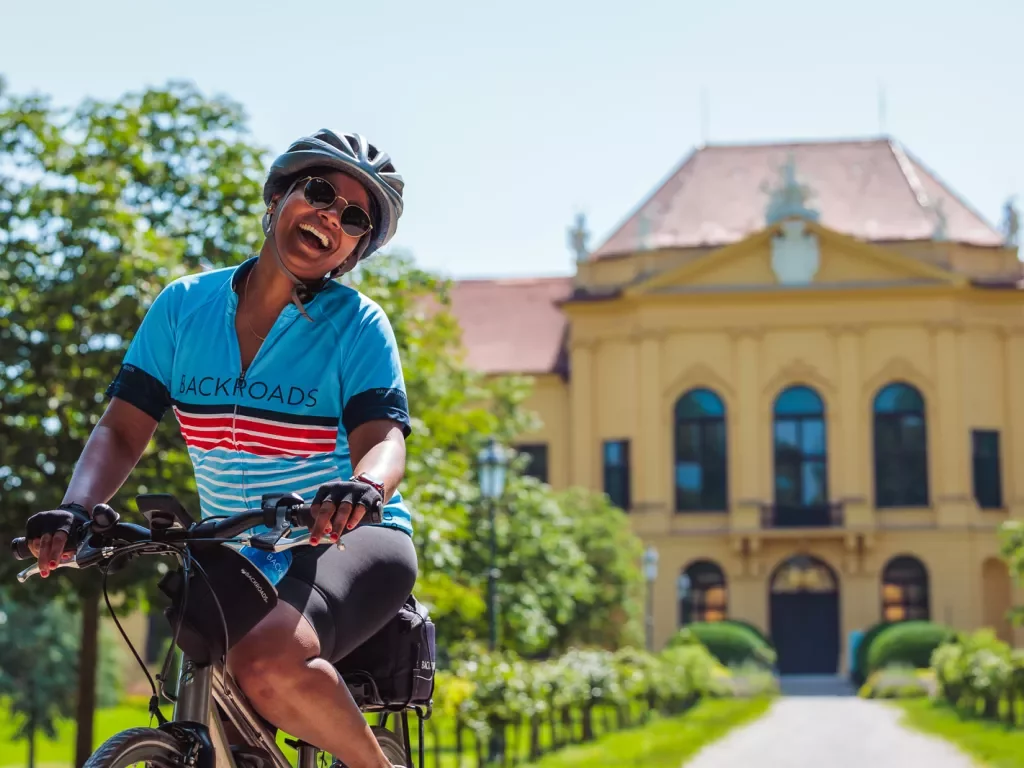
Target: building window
(901, 447)
(801, 455)
(616, 472)
(537, 464)
(700, 452)
(702, 593)
(988, 479)
(905, 590)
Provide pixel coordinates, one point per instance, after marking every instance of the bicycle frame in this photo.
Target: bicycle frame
(200, 686)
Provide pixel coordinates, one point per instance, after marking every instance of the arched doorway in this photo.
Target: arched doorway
(703, 594)
(805, 616)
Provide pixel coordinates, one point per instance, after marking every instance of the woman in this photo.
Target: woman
(282, 381)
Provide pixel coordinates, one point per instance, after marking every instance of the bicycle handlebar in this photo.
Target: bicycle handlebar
(284, 519)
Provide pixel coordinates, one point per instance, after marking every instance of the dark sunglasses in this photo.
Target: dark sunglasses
(355, 222)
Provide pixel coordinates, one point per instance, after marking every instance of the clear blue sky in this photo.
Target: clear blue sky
(507, 118)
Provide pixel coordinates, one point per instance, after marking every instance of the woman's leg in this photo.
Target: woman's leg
(278, 667)
(331, 602)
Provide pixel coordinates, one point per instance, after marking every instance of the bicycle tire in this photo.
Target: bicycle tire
(138, 745)
(390, 745)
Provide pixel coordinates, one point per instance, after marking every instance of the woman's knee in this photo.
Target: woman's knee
(265, 660)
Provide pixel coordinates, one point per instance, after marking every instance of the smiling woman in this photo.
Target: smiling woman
(283, 381)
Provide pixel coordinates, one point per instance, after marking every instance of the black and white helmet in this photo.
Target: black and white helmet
(352, 154)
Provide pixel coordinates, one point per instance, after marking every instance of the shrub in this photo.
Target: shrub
(859, 668)
(899, 682)
(756, 630)
(732, 644)
(909, 642)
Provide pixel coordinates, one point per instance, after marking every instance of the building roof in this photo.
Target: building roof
(512, 325)
(870, 189)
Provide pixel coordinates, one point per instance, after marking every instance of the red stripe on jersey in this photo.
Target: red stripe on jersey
(213, 425)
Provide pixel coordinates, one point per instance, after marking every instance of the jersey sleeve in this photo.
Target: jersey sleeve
(144, 379)
(372, 383)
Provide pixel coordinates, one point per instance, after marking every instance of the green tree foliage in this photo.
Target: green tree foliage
(102, 205)
(39, 665)
(613, 616)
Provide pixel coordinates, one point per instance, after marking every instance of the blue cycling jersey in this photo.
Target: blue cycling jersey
(281, 426)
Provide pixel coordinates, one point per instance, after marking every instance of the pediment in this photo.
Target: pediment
(797, 254)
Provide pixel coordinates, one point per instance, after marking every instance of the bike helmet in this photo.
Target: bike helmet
(351, 154)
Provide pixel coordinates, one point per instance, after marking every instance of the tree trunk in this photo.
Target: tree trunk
(535, 737)
(588, 723)
(87, 660)
(458, 741)
(32, 744)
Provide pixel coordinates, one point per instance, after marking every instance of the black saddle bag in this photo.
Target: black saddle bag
(394, 669)
(244, 594)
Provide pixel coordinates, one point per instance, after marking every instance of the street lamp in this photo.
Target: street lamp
(650, 573)
(682, 595)
(493, 462)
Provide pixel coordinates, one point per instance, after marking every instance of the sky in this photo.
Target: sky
(507, 119)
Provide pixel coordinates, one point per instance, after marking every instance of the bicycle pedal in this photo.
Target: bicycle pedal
(251, 757)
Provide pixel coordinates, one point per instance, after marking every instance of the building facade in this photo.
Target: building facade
(799, 368)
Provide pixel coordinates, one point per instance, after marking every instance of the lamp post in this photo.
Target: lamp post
(650, 574)
(682, 594)
(493, 462)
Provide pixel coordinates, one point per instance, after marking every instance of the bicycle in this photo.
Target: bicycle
(195, 736)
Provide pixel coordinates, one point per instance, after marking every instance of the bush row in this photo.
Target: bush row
(907, 644)
(496, 697)
(981, 675)
(732, 643)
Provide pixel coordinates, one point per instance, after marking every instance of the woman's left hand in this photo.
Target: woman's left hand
(340, 506)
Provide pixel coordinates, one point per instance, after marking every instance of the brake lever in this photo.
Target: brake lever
(33, 570)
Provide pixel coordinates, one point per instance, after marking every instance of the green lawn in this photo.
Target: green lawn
(994, 744)
(665, 743)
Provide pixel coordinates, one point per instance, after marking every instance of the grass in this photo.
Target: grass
(665, 743)
(995, 744)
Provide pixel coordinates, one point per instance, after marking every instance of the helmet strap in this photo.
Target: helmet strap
(301, 291)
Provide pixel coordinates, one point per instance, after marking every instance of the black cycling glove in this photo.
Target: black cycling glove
(356, 493)
(68, 518)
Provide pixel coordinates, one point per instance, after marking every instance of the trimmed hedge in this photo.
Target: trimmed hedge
(908, 643)
(756, 630)
(859, 670)
(731, 643)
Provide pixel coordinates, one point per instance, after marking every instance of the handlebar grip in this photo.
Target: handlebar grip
(20, 550)
(301, 516)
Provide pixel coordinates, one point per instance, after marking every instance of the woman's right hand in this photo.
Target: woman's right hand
(49, 533)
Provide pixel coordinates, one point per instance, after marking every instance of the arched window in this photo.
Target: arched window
(700, 452)
(801, 455)
(901, 447)
(703, 595)
(905, 590)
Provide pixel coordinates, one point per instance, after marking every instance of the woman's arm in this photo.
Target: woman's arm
(377, 449)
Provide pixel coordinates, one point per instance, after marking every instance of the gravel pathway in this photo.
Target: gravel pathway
(829, 732)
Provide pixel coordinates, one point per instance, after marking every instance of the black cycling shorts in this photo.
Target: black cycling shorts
(348, 595)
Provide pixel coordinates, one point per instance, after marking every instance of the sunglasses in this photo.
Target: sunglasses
(355, 222)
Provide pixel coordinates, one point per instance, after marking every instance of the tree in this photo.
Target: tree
(38, 666)
(1012, 550)
(100, 207)
(613, 616)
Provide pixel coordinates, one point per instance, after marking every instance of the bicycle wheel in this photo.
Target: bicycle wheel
(390, 745)
(146, 746)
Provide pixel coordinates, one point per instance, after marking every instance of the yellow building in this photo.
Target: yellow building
(800, 369)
